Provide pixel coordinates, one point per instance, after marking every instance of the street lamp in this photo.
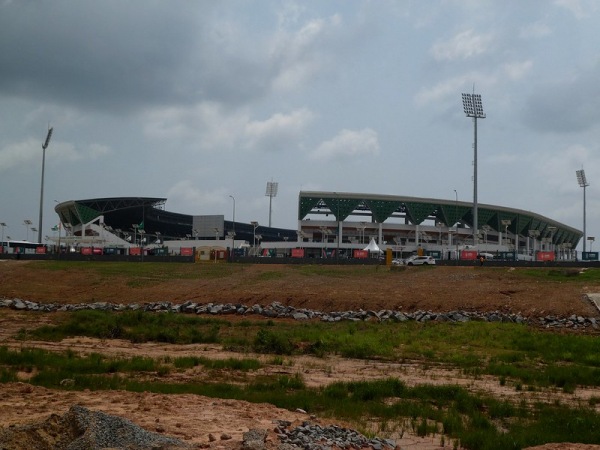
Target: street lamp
(44, 147)
(27, 224)
(534, 234)
(361, 229)
(271, 192)
(473, 108)
(255, 226)
(506, 223)
(582, 183)
(551, 229)
(135, 227)
(486, 230)
(233, 228)
(3, 225)
(591, 239)
(455, 207)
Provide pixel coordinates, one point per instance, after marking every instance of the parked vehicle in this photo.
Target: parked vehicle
(420, 261)
(397, 262)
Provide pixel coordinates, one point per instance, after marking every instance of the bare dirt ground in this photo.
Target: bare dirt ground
(193, 418)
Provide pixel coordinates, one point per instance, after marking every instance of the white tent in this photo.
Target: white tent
(373, 247)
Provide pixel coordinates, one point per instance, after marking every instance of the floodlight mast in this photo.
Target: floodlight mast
(271, 192)
(44, 147)
(581, 179)
(474, 108)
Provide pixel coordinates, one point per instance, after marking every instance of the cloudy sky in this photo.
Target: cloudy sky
(199, 100)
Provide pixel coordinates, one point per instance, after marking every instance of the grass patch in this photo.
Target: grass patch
(476, 421)
(515, 353)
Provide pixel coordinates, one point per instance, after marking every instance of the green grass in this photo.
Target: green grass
(138, 275)
(563, 275)
(474, 420)
(516, 353)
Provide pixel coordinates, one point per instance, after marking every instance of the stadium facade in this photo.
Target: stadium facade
(329, 224)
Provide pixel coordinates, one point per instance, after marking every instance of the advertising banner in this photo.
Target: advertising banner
(297, 253)
(545, 256)
(468, 255)
(86, 250)
(40, 250)
(360, 254)
(135, 251)
(187, 251)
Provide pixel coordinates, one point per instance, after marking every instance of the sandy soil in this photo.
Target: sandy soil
(192, 418)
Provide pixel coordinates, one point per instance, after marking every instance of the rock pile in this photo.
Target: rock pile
(310, 436)
(278, 310)
(82, 429)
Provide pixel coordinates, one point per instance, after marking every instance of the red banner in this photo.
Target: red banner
(40, 250)
(135, 251)
(361, 254)
(86, 250)
(468, 254)
(545, 256)
(297, 253)
(186, 251)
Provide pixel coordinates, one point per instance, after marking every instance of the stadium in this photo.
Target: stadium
(330, 225)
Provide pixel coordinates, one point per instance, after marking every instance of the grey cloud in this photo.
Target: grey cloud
(115, 55)
(567, 107)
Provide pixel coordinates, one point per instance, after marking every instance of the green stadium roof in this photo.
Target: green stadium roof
(449, 212)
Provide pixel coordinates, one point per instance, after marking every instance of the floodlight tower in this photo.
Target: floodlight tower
(271, 192)
(582, 183)
(473, 108)
(44, 147)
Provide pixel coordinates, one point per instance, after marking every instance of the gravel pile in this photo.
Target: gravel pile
(278, 310)
(310, 436)
(82, 429)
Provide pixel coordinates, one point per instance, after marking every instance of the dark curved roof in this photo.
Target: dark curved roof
(417, 210)
(76, 212)
(120, 213)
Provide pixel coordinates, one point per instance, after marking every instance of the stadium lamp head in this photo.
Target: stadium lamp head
(581, 179)
(473, 106)
(48, 137)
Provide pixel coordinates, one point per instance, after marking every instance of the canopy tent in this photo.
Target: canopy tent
(373, 247)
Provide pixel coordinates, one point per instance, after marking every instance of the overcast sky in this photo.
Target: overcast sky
(195, 101)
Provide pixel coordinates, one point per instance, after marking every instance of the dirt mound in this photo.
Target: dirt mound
(218, 423)
(82, 429)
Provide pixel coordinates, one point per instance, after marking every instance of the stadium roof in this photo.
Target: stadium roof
(417, 210)
(76, 212)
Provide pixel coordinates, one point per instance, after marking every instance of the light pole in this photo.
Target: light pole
(271, 192)
(486, 230)
(455, 207)
(506, 223)
(255, 226)
(135, 229)
(552, 230)
(27, 224)
(473, 108)
(44, 147)
(582, 183)
(233, 228)
(534, 234)
(3, 225)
